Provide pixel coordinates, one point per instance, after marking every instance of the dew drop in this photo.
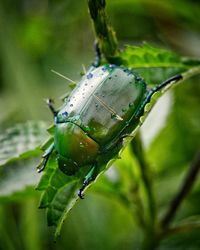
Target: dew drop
(112, 66)
(137, 78)
(65, 113)
(71, 105)
(89, 76)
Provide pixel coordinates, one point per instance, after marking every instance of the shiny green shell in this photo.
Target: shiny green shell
(96, 113)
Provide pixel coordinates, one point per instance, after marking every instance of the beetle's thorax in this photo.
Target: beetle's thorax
(73, 143)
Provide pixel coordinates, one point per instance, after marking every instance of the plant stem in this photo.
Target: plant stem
(138, 150)
(183, 228)
(184, 190)
(104, 32)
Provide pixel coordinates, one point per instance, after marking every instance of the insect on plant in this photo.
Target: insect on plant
(104, 108)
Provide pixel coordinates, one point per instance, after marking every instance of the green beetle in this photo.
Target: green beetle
(100, 112)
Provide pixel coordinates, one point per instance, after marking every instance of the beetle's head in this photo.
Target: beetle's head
(67, 166)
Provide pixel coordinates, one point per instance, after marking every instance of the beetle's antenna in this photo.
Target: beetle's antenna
(108, 108)
(84, 69)
(68, 79)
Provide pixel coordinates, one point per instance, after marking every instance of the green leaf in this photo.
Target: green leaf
(18, 180)
(21, 141)
(155, 64)
(60, 193)
(147, 56)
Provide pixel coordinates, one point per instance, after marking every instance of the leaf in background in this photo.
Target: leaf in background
(21, 141)
(154, 64)
(18, 180)
(179, 141)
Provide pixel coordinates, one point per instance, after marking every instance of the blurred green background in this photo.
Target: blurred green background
(40, 35)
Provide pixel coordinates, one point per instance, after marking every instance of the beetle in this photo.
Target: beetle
(102, 110)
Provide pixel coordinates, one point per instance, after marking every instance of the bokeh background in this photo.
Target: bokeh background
(40, 35)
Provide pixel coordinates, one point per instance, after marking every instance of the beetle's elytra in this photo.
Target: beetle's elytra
(105, 107)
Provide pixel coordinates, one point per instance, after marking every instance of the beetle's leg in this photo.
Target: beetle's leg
(51, 107)
(154, 90)
(167, 82)
(97, 54)
(45, 158)
(88, 178)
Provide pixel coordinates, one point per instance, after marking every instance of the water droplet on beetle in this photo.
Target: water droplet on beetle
(86, 84)
(65, 113)
(109, 77)
(71, 105)
(89, 76)
(137, 78)
(123, 110)
(112, 66)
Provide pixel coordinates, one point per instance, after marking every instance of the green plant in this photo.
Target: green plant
(135, 188)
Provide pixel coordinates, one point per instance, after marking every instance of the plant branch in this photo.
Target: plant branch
(104, 32)
(138, 151)
(182, 193)
(183, 228)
